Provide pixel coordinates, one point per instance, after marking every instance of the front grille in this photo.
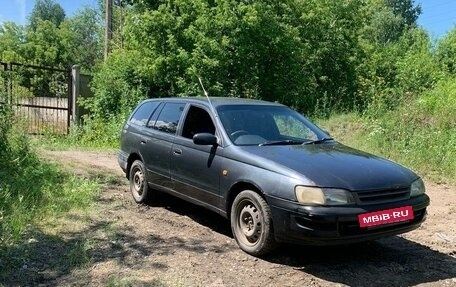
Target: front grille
(382, 196)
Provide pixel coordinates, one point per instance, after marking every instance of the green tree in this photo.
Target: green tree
(446, 52)
(406, 9)
(389, 52)
(46, 10)
(43, 45)
(12, 38)
(297, 52)
(388, 20)
(82, 39)
(417, 70)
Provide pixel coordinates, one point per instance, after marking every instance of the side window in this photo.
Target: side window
(142, 114)
(197, 121)
(154, 117)
(169, 117)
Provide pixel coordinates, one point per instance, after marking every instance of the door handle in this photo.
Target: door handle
(177, 151)
(143, 142)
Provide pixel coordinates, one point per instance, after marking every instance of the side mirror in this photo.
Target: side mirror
(204, 139)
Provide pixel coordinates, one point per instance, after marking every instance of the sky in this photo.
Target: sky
(18, 10)
(438, 16)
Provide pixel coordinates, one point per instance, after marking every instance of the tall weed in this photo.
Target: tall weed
(30, 188)
(420, 134)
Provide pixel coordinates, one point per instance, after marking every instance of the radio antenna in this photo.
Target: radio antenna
(202, 87)
(207, 96)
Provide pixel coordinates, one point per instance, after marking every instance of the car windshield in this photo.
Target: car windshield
(268, 125)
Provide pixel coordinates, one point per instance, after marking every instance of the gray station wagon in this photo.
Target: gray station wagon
(274, 174)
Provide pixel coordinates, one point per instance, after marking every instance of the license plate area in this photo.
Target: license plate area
(383, 217)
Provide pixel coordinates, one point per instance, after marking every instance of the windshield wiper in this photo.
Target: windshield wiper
(319, 140)
(281, 142)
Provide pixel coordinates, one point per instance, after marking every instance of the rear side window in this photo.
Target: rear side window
(169, 118)
(142, 114)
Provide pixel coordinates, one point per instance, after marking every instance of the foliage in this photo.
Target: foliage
(48, 42)
(320, 57)
(119, 86)
(81, 37)
(407, 11)
(420, 134)
(97, 132)
(446, 52)
(31, 189)
(46, 10)
(53, 43)
(294, 51)
(417, 70)
(12, 36)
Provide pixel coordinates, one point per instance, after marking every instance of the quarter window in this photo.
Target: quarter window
(142, 114)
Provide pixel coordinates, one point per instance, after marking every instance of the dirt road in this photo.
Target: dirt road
(174, 243)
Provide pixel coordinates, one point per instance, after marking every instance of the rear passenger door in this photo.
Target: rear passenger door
(157, 140)
(196, 169)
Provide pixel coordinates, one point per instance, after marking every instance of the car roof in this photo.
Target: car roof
(218, 101)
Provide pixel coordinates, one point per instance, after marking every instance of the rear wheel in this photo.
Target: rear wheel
(251, 223)
(138, 183)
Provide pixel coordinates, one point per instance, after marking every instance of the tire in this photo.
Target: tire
(138, 183)
(251, 223)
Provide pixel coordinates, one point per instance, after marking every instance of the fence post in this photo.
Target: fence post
(75, 74)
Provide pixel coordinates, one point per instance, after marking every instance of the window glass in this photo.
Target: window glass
(169, 117)
(265, 124)
(142, 114)
(153, 118)
(290, 126)
(197, 121)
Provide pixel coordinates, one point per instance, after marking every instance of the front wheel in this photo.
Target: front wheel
(251, 223)
(138, 183)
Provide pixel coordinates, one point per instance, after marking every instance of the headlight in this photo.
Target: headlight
(323, 196)
(309, 195)
(417, 188)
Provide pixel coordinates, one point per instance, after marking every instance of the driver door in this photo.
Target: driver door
(196, 169)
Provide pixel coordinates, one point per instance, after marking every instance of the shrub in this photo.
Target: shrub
(31, 188)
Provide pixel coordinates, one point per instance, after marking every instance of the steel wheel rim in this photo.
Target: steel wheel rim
(138, 182)
(249, 223)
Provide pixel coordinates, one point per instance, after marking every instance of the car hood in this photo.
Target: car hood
(334, 165)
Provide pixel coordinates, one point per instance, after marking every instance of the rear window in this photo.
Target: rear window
(142, 114)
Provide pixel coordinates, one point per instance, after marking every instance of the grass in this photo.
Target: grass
(94, 133)
(420, 134)
(34, 194)
(32, 190)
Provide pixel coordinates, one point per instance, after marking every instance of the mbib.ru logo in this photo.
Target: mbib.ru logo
(385, 216)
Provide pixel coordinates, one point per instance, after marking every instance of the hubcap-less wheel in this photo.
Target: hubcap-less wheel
(138, 183)
(251, 223)
(138, 180)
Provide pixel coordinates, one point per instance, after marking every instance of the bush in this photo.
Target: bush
(420, 133)
(97, 132)
(31, 188)
(118, 85)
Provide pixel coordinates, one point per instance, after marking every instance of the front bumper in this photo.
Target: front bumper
(324, 225)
